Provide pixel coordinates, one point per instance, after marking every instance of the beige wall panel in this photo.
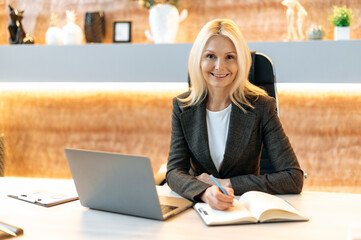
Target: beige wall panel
(324, 129)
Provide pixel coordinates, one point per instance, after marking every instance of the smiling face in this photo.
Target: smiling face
(219, 63)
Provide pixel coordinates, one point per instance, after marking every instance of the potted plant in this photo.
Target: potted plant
(341, 19)
(164, 19)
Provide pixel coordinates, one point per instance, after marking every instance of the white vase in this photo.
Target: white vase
(342, 33)
(53, 36)
(71, 33)
(164, 20)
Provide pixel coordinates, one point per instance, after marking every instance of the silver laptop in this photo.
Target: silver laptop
(120, 183)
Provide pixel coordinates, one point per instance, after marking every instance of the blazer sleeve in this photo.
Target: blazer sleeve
(289, 176)
(178, 166)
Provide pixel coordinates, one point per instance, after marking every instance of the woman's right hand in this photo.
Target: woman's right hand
(216, 199)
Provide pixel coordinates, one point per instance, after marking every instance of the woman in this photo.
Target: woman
(221, 124)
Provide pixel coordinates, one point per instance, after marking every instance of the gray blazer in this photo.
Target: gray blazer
(189, 154)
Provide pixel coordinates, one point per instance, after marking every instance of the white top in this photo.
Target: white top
(217, 128)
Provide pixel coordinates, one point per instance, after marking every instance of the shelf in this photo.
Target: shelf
(302, 61)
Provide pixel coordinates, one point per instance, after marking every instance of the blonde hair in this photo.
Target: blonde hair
(241, 87)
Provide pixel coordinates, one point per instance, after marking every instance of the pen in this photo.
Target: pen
(220, 187)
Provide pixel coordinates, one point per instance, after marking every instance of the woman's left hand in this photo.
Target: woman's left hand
(206, 178)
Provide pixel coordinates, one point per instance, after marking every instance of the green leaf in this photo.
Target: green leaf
(341, 17)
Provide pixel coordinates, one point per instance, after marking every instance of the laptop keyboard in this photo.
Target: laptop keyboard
(167, 208)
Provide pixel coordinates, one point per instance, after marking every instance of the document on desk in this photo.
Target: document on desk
(46, 197)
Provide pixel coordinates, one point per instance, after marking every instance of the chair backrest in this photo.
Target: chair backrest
(262, 74)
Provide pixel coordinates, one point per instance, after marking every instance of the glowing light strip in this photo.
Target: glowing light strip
(162, 86)
(94, 86)
(334, 87)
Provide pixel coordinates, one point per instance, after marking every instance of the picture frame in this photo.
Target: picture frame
(122, 32)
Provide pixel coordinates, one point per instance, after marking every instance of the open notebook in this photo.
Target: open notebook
(252, 207)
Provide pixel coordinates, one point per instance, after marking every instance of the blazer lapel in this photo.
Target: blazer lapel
(240, 129)
(195, 131)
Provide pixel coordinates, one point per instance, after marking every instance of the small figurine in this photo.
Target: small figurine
(17, 33)
(293, 8)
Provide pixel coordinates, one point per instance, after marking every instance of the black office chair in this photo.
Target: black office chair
(262, 74)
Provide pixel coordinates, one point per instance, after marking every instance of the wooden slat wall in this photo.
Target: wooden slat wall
(260, 20)
(324, 129)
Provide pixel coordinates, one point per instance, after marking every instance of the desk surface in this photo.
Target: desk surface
(330, 217)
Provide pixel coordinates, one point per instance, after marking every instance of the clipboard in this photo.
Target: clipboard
(46, 198)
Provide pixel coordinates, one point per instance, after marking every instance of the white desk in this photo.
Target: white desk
(330, 216)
